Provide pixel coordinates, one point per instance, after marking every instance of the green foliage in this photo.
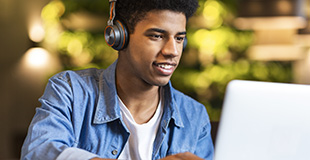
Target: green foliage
(77, 48)
(95, 6)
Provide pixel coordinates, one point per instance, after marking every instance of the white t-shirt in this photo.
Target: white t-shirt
(142, 136)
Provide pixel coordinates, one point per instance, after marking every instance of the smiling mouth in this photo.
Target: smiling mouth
(165, 69)
(166, 66)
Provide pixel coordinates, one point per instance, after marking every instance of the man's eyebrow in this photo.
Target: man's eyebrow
(156, 30)
(163, 31)
(181, 33)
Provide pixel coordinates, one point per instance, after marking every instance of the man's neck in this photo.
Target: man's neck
(140, 99)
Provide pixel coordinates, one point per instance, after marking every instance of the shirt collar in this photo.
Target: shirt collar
(171, 108)
(108, 109)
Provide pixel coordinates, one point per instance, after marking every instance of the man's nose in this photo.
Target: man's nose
(170, 48)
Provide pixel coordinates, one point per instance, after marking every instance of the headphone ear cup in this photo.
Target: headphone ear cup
(116, 35)
(184, 43)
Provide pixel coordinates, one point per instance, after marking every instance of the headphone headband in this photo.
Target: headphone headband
(112, 12)
(115, 33)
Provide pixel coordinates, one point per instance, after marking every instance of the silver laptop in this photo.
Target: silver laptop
(264, 121)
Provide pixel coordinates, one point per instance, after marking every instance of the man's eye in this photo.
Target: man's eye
(180, 39)
(155, 36)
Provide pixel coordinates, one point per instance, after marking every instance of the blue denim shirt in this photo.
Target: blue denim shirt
(80, 109)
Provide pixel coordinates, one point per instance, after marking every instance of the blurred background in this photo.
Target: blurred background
(263, 40)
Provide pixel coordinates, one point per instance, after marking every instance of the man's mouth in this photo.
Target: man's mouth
(165, 65)
(165, 68)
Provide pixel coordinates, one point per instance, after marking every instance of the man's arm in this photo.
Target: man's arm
(75, 154)
(205, 147)
(51, 131)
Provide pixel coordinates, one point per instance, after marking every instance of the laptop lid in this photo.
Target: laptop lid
(264, 121)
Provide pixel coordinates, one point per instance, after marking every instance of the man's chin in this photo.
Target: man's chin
(162, 81)
(161, 84)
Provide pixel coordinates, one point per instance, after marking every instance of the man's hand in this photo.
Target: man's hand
(182, 156)
(101, 159)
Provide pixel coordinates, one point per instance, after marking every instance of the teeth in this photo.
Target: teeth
(165, 66)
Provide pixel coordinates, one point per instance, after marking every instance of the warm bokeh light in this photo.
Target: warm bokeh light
(284, 7)
(36, 57)
(275, 52)
(212, 14)
(267, 23)
(36, 65)
(52, 11)
(36, 32)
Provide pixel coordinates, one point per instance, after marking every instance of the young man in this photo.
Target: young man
(129, 110)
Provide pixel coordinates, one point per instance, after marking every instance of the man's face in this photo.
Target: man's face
(155, 48)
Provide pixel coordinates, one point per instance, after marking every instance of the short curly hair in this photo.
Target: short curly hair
(131, 12)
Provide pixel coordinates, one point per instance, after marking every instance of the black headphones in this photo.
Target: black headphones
(116, 35)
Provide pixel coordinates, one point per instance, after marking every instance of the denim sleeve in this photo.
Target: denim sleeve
(205, 147)
(51, 130)
(75, 154)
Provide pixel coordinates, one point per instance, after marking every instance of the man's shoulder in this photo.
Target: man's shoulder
(88, 74)
(69, 75)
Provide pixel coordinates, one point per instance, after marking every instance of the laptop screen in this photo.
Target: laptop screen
(264, 121)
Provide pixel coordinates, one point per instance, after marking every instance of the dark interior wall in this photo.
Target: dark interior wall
(18, 97)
